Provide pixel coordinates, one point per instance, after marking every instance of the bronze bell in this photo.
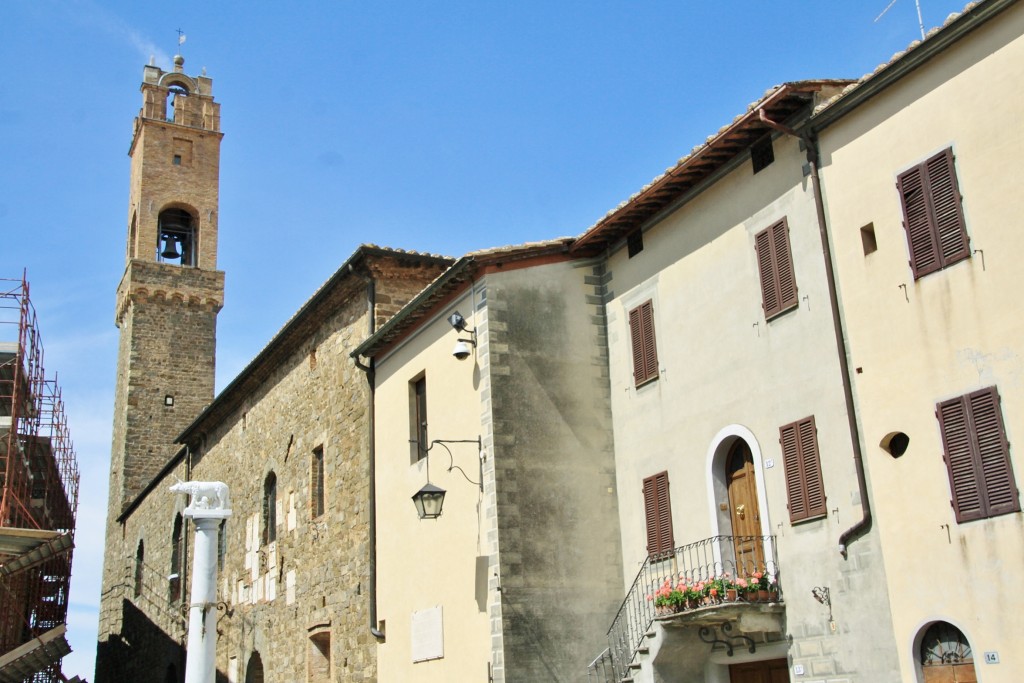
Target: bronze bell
(170, 250)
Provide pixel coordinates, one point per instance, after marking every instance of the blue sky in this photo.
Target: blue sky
(442, 127)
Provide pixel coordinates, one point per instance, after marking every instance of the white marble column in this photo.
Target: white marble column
(209, 505)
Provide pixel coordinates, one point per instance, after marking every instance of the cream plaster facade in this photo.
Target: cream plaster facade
(727, 373)
(524, 571)
(442, 563)
(918, 342)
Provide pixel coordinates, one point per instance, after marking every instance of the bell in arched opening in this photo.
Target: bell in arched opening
(176, 238)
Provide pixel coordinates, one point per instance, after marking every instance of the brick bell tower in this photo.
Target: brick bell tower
(168, 298)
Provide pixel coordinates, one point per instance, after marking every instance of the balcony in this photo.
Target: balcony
(723, 587)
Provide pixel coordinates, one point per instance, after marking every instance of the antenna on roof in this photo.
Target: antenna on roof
(920, 21)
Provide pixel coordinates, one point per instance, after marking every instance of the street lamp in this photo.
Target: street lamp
(428, 501)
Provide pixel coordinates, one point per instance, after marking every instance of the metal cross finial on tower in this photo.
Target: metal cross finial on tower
(920, 21)
(181, 40)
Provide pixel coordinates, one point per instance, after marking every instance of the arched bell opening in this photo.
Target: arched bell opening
(176, 238)
(176, 95)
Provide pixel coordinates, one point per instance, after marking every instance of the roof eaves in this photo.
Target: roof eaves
(956, 26)
(701, 161)
(225, 397)
(450, 281)
(154, 482)
(447, 281)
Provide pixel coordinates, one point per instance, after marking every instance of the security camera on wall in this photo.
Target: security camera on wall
(461, 350)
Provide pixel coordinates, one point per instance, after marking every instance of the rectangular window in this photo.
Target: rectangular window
(977, 456)
(762, 154)
(418, 419)
(317, 482)
(658, 512)
(932, 215)
(181, 149)
(775, 263)
(635, 243)
(803, 470)
(645, 352)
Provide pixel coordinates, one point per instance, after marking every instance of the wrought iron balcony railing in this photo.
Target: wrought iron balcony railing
(704, 570)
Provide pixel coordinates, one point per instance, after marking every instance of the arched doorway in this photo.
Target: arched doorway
(254, 671)
(744, 510)
(946, 656)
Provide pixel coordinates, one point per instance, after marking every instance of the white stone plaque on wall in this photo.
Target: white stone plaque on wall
(289, 583)
(427, 635)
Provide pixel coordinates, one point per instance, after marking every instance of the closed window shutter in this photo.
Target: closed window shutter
(977, 456)
(946, 208)
(932, 214)
(802, 461)
(775, 266)
(658, 514)
(645, 352)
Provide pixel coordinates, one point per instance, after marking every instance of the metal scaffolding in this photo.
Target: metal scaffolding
(38, 497)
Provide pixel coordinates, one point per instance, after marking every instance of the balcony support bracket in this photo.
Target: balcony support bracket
(708, 635)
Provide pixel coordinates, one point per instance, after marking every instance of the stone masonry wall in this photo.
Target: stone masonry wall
(312, 578)
(554, 472)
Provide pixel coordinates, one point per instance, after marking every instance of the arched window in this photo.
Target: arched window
(176, 238)
(946, 655)
(222, 543)
(174, 578)
(133, 235)
(175, 105)
(254, 671)
(140, 556)
(270, 509)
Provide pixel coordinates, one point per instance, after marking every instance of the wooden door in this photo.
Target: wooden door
(743, 509)
(771, 671)
(950, 673)
(946, 656)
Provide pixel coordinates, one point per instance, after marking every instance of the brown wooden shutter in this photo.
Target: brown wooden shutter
(977, 456)
(802, 463)
(658, 514)
(645, 352)
(947, 211)
(775, 265)
(932, 214)
(766, 267)
(784, 265)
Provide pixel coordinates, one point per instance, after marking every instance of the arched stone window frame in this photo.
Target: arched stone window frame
(174, 579)
(178, 222)
(268, 523)
(715, 477)
(140, 563)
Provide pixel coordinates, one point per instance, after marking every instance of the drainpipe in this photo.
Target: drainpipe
(813, 159)
(371, 305)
